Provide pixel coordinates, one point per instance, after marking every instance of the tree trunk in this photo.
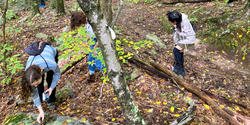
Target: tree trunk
(107, 10)
(60, 7)
(4, 19)
(99, 24)
(52, 4)
(34, 5)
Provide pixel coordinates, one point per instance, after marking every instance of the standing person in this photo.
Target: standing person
(93, 62)
(43, 60)
(184, 37)
(78, 18)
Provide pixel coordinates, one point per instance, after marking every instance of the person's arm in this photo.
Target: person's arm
(40, 117)
(37, 103)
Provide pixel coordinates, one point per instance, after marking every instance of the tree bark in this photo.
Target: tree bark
(4, 19)
(52, 4)
(34, 5)
(107, 10)
(99, 23)
(60, 7)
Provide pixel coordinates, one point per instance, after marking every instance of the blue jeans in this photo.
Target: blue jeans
(97, 62)
(179, 62)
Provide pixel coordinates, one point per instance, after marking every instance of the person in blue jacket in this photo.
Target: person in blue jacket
(93, 61)
(78, 19)
(44, 61)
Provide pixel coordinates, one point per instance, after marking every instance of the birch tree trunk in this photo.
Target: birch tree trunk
(99, 23)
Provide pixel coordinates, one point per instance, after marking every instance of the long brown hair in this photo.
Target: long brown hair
(77, 18)
(33, 73)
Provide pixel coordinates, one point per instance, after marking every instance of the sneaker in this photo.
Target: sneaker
(52, 106)
(179, 71)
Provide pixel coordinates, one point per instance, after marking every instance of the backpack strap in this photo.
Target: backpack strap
(32, 60)
(45, 62)
(43, 59)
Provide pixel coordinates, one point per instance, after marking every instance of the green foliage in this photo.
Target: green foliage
(10, 14)
(134, 48)
(166, 25)
(73, 45)
(9, 63)
(134, 1)
(145, 1)
(150, 1)
(194, 19)
(14, 119)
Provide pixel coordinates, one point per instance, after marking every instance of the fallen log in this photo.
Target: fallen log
(73, 64)
(199, 93)
(186, 1)
(193, 89)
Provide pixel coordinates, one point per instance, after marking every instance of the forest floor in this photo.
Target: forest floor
(159, 99)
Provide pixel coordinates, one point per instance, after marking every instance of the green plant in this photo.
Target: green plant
(194, 19)
(149, 1)
(75, 45)
(9, 63)
(135, 47)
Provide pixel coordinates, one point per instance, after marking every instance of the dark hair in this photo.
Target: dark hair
(33, 73)
(175, 16)
(77, 18)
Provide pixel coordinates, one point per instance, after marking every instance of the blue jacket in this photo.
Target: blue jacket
(48, 55)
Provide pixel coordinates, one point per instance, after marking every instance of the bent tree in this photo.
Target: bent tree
(98, 20)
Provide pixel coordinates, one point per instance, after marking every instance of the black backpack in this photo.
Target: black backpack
(34, 50)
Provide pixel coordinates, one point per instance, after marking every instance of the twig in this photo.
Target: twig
(101, 90)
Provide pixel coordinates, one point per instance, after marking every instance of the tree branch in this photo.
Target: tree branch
(4, 20)
(117, 14)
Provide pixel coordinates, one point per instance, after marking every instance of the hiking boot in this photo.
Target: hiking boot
(179, 71)
(91, 78)
(52, 106)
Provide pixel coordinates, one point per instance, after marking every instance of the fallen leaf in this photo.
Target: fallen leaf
(206, 106)
(172, 109)
(150, 110)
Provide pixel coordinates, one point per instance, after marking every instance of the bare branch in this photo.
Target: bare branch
(117, 14)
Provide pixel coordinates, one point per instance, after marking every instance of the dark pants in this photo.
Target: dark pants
(179, 62)
(52, 97)
(42, 2)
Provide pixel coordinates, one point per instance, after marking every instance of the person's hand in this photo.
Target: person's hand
(40, 117)
(49, 91)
